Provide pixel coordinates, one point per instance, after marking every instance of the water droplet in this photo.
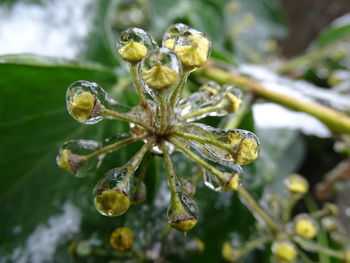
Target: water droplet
(112, 193)
(193, 48)
(86, 101)
(172, 33)
(134, 44)
(72, 157)
(160, 71)
(305, 226)
(238, 146)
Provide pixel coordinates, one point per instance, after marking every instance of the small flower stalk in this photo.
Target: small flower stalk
(164, 121)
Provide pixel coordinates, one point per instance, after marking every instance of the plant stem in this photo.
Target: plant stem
(204, 140)
(218, 174)
(114, 146)
(320, 249)
(126, 118)
(163, 111)
(203, 111)
(336, 121)
(253, 244)
(135, 161)
(179, 88)
(257, 210)
(172, 178)
(136, 81)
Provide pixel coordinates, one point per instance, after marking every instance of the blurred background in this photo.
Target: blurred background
(298, 47)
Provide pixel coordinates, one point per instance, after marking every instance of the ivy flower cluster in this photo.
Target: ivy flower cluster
(164, 121)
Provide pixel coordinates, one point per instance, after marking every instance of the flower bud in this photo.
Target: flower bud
(193, 48)
(296, 184)
(332, 208)
(72, 157)
(231, 98)
(182, 212)
(248, 146)
(112, 192)
(330, 223)
(121, 239)
(229, 253)
(86, 101)
(172, 33)
(284, 251)
(134, 44)
(160, 70)
(305, 226)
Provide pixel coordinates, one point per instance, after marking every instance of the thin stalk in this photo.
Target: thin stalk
(320, 249)
(336, 121)
(126, 118)
(135, 161)
(179, 88)
(253, 244)
(170, 171)
(203, 111)
(164, 111)
(137, 84)
(204, 140)
(143, 170)
(288, 209)
(218, 174)
(114, 146)
(256, 209)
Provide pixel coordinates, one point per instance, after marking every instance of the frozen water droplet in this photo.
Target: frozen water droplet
(160, 71)
(72, 157)
(134, 44)
(86, 100)
(171, 35)
(112, 192)
(237, 146)
(192, 47)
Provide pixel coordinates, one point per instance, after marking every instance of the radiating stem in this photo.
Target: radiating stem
(288, 208)
(256, 209)
(179, 88)
(170, 171)
(320, 249)
(126, 118)
(218, 174)
(202, 111)
(253, 244)
(136, 81)
(135, 161)
(204, 140)
(114, 146)
(164, 111)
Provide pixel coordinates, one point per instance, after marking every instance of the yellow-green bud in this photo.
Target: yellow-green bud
(160, 76)
(284, 251)
(170, 43)
(229, 253)
(111, 202)
(305, 228)
(122, 239)
(233, 101)
(194, 54)
(133, 51)
(248, 148)
(184, 224)
(82, 105)
(332, 208)
(296, 184)
(233, 183)
(69, 161)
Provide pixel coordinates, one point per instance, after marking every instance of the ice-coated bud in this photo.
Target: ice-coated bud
(193, 48)
(182, 212)
(160, 69)
(171, 35)
(121, 239)
(112, 192)
(134, 44)
(248, 146)
(332, 208)
(284, 251)
(330, 223)
(296, 184)
(72, 157)
(86, 100)
(305, 226)
(232, 98)
(236, 146)
(229, 253)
